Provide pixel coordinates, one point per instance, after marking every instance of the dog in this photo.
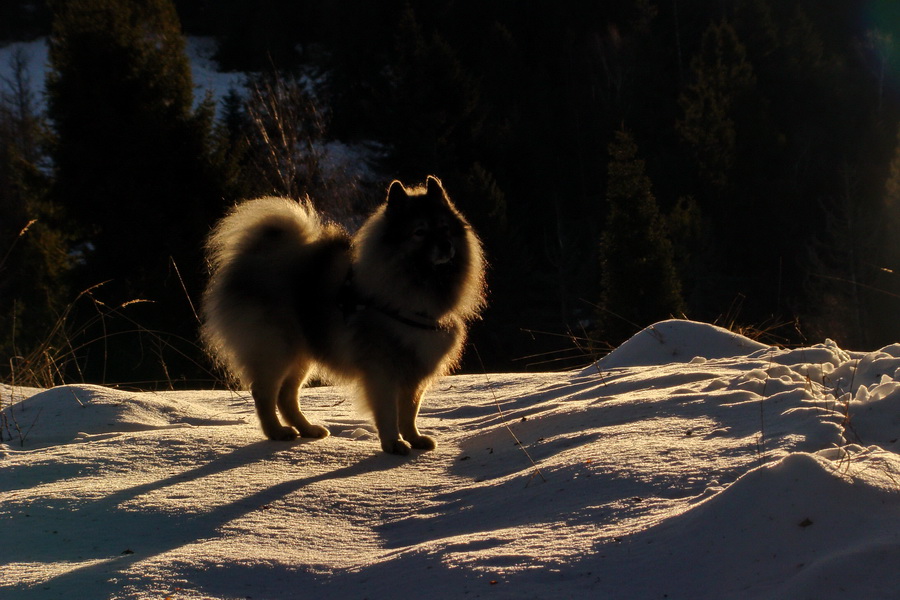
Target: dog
(387, 309)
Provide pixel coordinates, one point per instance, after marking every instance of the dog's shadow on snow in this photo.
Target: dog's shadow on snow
(241, 457)
(148, 533)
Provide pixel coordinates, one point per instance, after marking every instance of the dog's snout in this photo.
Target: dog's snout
(443, 252)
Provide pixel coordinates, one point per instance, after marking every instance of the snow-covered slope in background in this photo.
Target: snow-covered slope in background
(689, 463)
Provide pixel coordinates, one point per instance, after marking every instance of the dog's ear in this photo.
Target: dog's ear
(397, 197)
(434, 189)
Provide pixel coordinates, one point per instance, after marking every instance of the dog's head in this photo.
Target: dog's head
(418, 253)
(425, 226)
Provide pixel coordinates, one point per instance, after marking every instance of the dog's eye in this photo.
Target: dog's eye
(445, 228)
(419, 233)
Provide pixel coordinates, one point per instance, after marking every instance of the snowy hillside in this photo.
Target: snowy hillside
(689, 463)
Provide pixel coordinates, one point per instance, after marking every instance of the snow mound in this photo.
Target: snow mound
(735, 471)
(80, 412)
(676, 341)
(783, 531)
(872, 397)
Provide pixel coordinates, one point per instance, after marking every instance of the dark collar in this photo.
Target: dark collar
(351, 300)
(417, 320)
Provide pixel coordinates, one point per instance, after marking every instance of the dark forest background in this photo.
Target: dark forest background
(731, 161)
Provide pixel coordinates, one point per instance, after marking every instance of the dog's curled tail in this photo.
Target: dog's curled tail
(261, 226)
(248, 250)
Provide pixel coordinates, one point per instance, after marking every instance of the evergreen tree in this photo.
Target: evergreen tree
(725, 127)
(34, 258)
(134, 163)
(431, 107)
(722, 77)
(892, 184)
(640, 284)
(232, 135)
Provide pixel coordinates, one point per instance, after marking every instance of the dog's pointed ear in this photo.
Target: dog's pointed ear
(397, 195)
(434, 189)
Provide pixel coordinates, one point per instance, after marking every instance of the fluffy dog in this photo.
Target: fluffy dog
(386, 309)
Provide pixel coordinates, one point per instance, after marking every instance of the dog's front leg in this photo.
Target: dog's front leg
(408, 411)
(382, 397)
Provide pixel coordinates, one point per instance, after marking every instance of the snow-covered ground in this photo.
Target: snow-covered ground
(689, 463)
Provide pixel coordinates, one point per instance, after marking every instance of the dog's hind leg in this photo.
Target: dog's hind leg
(408, 411)
(289, 404)
(265, 396)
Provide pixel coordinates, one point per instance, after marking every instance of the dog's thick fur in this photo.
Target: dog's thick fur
(387, 308)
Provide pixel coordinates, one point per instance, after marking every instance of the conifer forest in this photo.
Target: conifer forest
(624, 161)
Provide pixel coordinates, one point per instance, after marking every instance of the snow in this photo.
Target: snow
(205, 72)
(689, 463)
(678, 341)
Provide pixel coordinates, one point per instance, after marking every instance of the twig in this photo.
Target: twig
(184, 288)
(30, 427)
(761, 441)
(16, 241)
(537, 470)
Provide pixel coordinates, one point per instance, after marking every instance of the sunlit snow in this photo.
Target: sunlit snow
(689, 463)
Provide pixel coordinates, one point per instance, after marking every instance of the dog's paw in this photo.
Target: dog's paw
(315, 431)
(395, 447)
(281, 434)
(422, 442)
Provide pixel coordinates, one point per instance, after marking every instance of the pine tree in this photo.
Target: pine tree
(132, 156)
(34, 257)
(134, 163)
(432, 104)
(722, 75)
(232, 148)
(640, 284)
